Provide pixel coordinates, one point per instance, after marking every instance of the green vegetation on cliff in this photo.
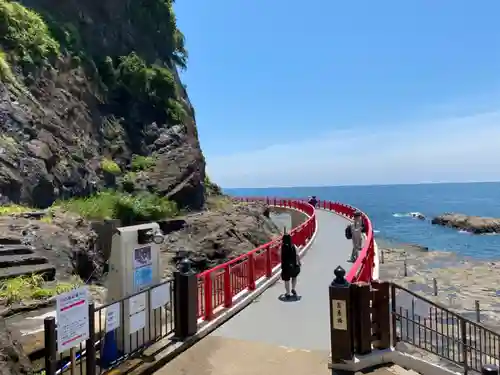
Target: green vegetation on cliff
(107, 72)
(24, 33)
(128, 208)
(142, 88)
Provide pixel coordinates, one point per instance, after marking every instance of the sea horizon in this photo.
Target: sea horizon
(363, 185)
(389, 207)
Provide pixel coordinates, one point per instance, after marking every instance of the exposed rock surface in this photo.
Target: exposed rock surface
(225, 229)
(13, 360)
(60, 117)
(461, 281)
(473, 224)
(66, 241)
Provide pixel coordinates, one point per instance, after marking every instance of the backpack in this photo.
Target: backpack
(348, 232)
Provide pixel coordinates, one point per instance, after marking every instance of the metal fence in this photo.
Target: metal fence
(442, 332)
(106, 349)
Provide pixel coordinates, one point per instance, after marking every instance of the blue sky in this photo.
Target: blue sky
(325, 92)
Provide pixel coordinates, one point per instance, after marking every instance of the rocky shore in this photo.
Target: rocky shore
(472, 224)
(460, 281)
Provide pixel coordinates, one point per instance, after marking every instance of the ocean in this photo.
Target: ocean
(389, 207)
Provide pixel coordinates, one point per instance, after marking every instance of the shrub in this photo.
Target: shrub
(24, 32)
(5, 71)
(175, 111)
(97, 207)
(142, 163)
(144, 207)
(107, 71)
(211, 188)
(128, 181)
(153, 87)
(109, 166)
(125, 207)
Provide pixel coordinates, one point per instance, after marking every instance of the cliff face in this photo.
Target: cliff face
(85, 86)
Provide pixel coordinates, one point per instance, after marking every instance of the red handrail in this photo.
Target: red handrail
(218, 287)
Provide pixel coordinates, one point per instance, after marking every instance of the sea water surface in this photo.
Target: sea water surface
(389, 206)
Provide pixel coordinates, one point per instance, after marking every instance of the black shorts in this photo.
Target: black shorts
(290, 273)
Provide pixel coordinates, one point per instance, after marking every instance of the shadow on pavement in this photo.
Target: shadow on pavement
(282, 298)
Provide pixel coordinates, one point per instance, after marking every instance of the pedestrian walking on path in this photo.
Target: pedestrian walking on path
(290, 265)
(355, 232)
(313, 201)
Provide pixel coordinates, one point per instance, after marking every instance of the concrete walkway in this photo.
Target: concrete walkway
(302, 324)
(273, 336)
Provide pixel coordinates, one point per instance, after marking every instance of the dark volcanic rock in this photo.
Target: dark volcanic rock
(55, 132)
(228, 228)
(66, 242)
(13, 360)
(224, 230)
(472, 224)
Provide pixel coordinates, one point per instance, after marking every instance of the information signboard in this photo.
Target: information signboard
(143, 268)
(72, 314)
(112, 317)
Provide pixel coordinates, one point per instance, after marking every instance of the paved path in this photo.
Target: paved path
(302, 324)
(272, 336)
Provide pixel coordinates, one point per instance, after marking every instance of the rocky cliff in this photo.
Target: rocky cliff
(96, 124)
(85, 87)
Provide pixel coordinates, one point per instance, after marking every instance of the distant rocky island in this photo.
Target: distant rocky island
(472, 224)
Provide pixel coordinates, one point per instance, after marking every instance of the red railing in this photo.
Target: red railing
(218, 287)
(362, 269)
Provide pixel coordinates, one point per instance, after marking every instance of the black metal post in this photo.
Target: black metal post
(185, 301)
(341, 324)
(49, 325)
(90, 343)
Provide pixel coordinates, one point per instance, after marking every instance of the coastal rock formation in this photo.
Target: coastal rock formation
(76, 103)
(417, 215)
(472, 224)
(95, 124)
(225, 229)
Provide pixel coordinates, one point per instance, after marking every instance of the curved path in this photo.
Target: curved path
(268, 319)
(263, 334)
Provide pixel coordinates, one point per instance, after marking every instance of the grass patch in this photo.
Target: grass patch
(126, 207)
(142, 163)
(109, 166)
(33, 287)
(97, 207)
(11, 209)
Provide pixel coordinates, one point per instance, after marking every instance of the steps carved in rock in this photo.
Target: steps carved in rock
(21, 260)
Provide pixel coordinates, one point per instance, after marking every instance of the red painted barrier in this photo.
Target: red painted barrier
(218, 286)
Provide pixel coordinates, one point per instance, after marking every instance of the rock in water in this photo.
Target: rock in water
(472, 224)
(13, 360)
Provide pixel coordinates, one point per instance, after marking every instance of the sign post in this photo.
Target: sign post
(72, 314)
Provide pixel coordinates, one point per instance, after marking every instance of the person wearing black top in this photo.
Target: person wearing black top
(313, 201)
(290, 265)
